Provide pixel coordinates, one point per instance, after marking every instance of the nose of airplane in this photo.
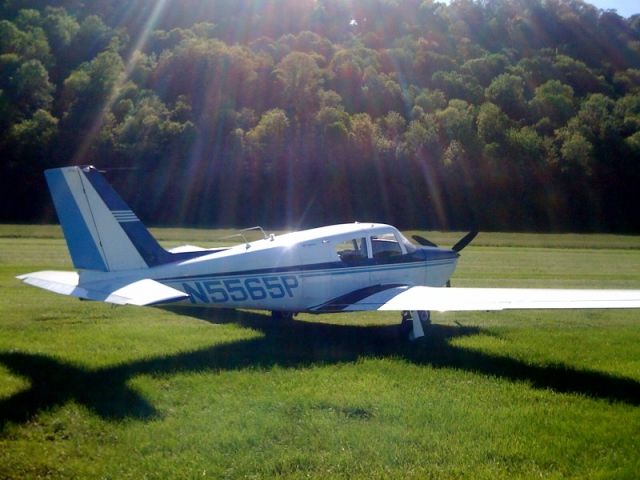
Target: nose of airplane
(440, 263)
(437, 253)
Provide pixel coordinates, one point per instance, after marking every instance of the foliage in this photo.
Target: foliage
(502, 114)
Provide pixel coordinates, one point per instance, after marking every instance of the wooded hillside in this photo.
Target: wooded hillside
(507, 114)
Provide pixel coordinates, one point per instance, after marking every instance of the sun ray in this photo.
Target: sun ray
(80, 155)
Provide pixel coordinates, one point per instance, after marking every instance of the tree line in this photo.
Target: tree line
(504, 114)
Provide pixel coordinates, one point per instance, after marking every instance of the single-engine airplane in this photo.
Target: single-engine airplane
(338, 268)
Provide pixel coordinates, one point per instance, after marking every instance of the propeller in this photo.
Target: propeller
(464, 241)
(423, 241)
(460, 244)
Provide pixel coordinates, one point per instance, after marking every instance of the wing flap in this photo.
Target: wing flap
(139, 292)
(467, 299)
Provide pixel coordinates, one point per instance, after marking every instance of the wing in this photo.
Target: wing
(460, 299)
(139, 292)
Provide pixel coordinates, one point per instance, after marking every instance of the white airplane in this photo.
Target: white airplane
(338, 268)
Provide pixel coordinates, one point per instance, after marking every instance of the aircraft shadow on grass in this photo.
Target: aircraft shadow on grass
(292, 344)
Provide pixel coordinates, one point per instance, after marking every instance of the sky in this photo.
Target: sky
(625, 8)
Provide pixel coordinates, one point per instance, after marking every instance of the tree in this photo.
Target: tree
(347, 70)
(633, 143)
(485, 68)
(92, 37)
(300, 78)
(628, 81)
(392, 125)
(60, 27)
(147, 130)
(579, 76)
(553, 100)
(32, 88)
(29, 44)
(454, 154)
(31, 137)
(595, 120)
(492, 123)
(627, 113)
(420, 137)
(427, 62)
(380, 92)
(576, 154)
(456, 122)
(507, 91)
(269, 137)
(334, 124)
(526, 148)
(431, 100)
(90, 85)
(456, 85)
(214, 76)
(363, 133)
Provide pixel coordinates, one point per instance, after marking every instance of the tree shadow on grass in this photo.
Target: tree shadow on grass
(289, 344)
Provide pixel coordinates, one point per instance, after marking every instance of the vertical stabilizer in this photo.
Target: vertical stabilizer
(101, 231)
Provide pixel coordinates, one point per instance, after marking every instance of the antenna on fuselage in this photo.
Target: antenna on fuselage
(244, 230)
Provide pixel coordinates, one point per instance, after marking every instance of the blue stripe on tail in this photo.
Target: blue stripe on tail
(84, 250)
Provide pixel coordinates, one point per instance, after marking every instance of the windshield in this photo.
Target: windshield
(407, 243)
(390, 245)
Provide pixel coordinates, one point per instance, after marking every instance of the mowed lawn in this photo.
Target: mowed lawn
(88, 390)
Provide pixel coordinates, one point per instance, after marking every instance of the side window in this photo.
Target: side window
(351, 250)
(385, 246)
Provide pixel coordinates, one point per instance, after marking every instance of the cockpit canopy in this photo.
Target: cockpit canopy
(382, 243)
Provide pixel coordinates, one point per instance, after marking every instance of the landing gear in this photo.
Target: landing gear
(282, 316)
(414, 322)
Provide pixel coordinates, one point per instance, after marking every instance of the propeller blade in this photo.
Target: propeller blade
(464, 241)
(423, 241)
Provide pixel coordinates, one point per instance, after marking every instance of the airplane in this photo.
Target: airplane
(337, 268)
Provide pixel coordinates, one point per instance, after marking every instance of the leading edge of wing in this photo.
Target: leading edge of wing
(468, 299)
(139, 292)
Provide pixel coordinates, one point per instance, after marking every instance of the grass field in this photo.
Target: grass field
(92, 391)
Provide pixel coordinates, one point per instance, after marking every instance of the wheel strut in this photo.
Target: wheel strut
(418, 320)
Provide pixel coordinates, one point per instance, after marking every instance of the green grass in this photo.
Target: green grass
(92, 391)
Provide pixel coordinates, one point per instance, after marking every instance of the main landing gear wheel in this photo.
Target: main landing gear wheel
(414, 322)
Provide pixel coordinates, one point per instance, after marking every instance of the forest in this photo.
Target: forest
(499, 114)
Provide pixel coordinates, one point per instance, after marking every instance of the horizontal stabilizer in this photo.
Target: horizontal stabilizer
(139, 292)
(466, 299)
(64, 283)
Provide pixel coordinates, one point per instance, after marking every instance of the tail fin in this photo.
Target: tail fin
(102, 232)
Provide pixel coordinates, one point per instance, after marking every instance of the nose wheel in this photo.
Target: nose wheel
(414, 322)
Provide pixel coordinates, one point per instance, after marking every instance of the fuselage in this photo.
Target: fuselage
(306, 270)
